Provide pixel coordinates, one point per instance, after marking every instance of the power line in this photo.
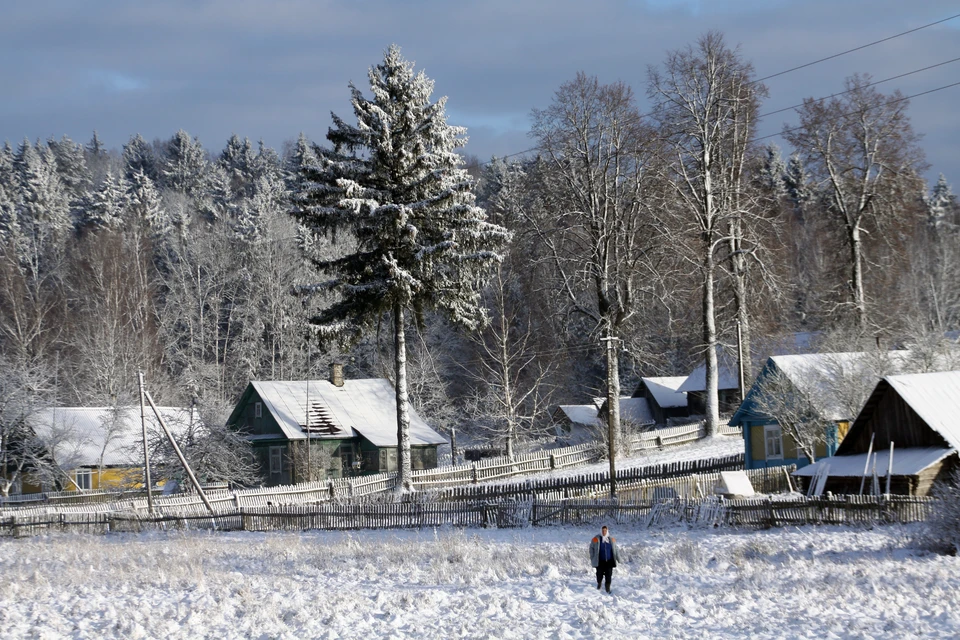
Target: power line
(871, 84)
(915, 95)
(863, 46)
(810, 64)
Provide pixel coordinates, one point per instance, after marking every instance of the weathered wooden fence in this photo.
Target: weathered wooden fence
(582, 484)
(712, 511)
(350, 488)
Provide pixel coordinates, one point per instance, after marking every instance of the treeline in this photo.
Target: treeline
(642, 244)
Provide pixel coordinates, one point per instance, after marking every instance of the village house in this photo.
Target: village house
(919, 414)
(350, 425)
(93, 448)
(829, 382)
(663, 397)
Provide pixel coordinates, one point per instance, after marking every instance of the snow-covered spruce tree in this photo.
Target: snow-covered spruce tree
(396, 184)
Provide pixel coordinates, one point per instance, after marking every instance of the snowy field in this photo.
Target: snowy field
(530, 583)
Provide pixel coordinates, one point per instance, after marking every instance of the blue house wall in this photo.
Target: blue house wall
(752, 421)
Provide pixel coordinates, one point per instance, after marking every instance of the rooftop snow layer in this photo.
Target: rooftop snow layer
(580, 414)
(80, 435)
(636, 411)
(367, 407)
(906, 462)
(665, 391)
(936, 399)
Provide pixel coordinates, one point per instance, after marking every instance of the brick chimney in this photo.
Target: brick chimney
(336, 374)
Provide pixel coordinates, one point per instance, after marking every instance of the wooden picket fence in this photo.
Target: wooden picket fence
(465, 478)
(583, 484)
(711, 511)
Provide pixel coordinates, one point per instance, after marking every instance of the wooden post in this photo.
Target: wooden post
(889, 468)
(866, 466)
(176, 449)
(146, 449)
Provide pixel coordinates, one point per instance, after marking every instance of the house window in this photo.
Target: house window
(774, 440)
(276, 460)
(84, 479)
(258, 410)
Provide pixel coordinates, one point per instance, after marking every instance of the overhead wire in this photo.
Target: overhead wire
(889, 102)
(815, 62)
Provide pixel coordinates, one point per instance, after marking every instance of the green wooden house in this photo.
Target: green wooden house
(315, 429)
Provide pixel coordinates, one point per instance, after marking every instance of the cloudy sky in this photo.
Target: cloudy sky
(273, 69)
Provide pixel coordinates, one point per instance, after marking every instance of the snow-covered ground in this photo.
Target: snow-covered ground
(529, 583)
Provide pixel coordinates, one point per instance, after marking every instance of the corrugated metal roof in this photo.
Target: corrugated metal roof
(906, 462)
(936, 399)
(367, 407)
(665, 391)
(82, 434)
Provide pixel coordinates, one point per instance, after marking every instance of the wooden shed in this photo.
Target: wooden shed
(920, 414)
(663, 397)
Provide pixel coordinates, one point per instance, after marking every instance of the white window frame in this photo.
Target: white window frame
(276, 460)
(84, 479)
(772, 433)
(258, 410)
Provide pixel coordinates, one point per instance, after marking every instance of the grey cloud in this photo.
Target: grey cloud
(274, 69)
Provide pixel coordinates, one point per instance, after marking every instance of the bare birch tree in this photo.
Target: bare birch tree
(600, 232)
(705, 102)
(862, 151)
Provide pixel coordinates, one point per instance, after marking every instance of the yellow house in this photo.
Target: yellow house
(95, 448)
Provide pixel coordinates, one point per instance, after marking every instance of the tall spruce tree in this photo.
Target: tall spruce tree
(395, 183)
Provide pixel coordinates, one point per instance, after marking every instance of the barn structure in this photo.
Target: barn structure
(663, 397)
(920, 414)
(312, 429)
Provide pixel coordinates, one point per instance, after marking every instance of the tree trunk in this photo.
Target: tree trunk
(404, 476)
(738, 267)
(613, 407)
(856, 283)
(712, 395)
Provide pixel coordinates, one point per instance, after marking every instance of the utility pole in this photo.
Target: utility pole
(146, 448)
(740, 359)
(613, 409)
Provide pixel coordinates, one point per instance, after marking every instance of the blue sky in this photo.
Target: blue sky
(273, 69)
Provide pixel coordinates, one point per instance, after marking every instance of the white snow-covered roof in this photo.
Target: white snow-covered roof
(367, 407)
(906, 462)
(935, 397)
(665, 391)
(697, 380)
(80, 435)
(636, 411)
(580, 414)
(817, 374)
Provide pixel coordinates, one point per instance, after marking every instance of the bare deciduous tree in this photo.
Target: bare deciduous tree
(705, 103)
(599, 230)
(862, 151)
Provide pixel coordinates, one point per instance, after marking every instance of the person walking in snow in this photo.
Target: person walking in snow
(604, 556)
